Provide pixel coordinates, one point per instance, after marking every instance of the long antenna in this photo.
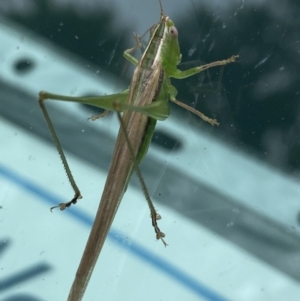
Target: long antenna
(161, 9)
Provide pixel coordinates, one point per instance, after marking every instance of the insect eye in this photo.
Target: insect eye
(173, 31)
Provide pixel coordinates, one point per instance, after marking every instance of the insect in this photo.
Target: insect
(145, 102)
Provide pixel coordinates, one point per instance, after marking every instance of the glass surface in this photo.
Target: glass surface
(229, 196)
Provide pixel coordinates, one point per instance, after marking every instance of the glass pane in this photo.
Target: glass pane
(228, 195)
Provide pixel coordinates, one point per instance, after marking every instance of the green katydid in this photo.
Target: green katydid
(145, 102)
